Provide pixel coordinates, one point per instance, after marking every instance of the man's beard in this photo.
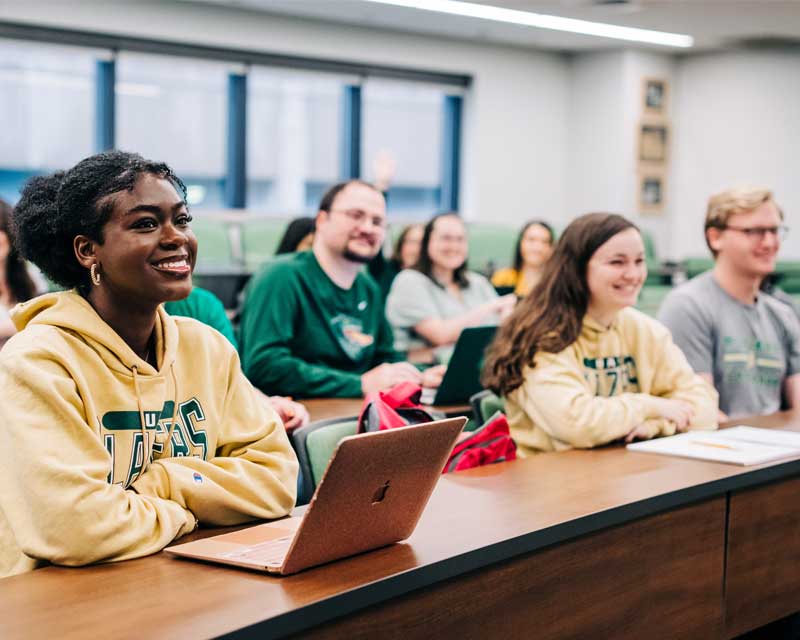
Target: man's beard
(360, 258)
(357, 257)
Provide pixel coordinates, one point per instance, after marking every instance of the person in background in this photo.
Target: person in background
(738, 337)
(578, 365)
(122, 426)
(534, 248)
(404, 256)
(298, 236)
(430, 304)
(313, 322)
(16, 283)
(204, 306)
(408, 246)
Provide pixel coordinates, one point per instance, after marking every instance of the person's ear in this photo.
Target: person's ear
(84, 251)
(714, 237)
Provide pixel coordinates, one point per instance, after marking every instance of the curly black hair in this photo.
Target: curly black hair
(54, 209)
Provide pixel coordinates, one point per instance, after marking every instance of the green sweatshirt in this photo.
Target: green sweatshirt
(204, 306)
(303, 336)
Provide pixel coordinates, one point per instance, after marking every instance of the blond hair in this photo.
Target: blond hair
(722, 205)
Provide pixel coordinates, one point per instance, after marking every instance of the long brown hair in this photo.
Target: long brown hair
(550, 318)
(19, 282)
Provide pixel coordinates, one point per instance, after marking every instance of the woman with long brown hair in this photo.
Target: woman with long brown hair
(579, 367)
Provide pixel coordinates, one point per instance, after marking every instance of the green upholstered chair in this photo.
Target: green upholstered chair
(651, 297)
(213, 242)
(314, 445)
(696, 266)
(788, 276)
(491, 247)
(485, 404)
(260, 239)
(654, 268)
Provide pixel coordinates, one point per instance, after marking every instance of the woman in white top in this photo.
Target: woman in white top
(431, 303)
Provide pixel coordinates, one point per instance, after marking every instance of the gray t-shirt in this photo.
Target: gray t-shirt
(414, 297)
(749, 349)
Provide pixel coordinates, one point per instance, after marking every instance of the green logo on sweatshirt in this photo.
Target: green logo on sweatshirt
(611, 376)
(351, 337)
(125, 441)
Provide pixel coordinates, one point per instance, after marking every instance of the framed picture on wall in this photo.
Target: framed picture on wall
(655, 96)
(653, 142)
(652, 191)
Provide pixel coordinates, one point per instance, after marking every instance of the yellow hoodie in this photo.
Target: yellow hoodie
(86, 472)
(601, 387)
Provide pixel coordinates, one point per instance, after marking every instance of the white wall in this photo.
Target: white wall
(515, 140)
(598, 158)
(736, 123)
(733, 121)
(604, 114)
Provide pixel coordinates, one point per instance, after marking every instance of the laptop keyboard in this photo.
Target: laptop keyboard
(270, 552)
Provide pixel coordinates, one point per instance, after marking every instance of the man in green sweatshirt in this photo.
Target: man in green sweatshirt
(313, 322)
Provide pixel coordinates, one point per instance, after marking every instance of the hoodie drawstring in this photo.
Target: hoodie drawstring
(168, 442)
(145, 453)
(174, 402)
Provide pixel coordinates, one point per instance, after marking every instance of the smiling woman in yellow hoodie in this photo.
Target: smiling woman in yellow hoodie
(578, 365)
(121, 427)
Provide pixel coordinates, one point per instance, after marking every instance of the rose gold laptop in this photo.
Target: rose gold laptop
(371, 495)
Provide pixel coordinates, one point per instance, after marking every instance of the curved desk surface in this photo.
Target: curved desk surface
(626, 542)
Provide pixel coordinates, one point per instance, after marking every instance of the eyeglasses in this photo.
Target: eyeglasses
(759, 233)
(359, 216)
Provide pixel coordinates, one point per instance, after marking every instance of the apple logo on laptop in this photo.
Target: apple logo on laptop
(380, 494)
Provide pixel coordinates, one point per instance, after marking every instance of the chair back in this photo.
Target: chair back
(485, 404)
(314, 445)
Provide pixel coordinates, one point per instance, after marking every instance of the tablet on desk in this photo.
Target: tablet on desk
(463, 376)
(372, 495)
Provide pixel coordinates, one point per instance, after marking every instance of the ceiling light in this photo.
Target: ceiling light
(542, 21)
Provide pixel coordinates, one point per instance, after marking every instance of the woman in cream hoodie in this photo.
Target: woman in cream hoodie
(579, 367)
(121, 427)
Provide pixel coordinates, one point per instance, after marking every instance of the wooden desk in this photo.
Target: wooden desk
(325, 408)
(762, 580)
(578, 544)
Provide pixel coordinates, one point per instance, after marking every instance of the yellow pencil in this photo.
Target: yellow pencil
(716, 445)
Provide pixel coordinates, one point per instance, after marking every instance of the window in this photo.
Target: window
(293, 139)
(47, 105)
(402, 136)
(175, 110)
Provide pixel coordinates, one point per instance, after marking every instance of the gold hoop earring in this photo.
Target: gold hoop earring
(95, 275)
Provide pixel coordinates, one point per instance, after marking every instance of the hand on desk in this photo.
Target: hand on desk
(639, 432)
(386, 375)
(677, 411)
(292, 413)
(432, 377)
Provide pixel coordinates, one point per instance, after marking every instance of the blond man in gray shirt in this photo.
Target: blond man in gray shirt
(741, 339)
